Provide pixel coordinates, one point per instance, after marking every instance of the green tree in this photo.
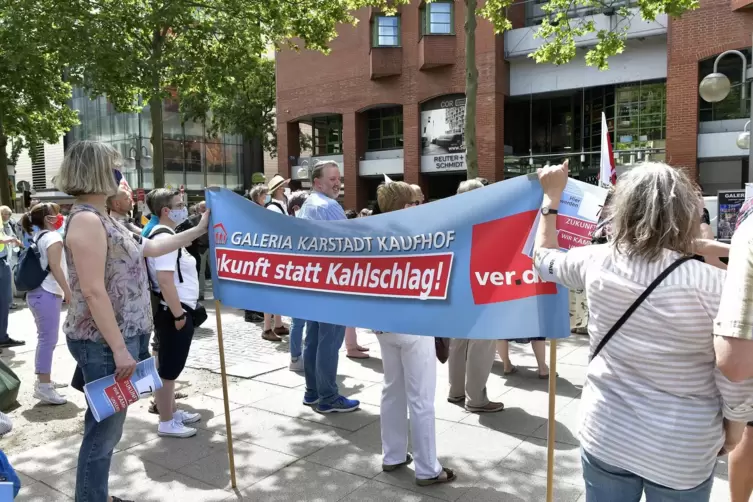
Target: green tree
(33, 95)
(157, 48)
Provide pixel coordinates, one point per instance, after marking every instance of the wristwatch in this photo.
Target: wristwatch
(546, 210)
(180, 317)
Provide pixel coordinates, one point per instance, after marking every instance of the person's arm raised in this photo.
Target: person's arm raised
(154, 248)
(87, 240)
(553, 181)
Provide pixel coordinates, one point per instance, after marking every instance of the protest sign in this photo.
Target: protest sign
(452, 268)
(107, 396)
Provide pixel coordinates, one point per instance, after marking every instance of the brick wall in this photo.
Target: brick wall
(310, 83)
(714, 28)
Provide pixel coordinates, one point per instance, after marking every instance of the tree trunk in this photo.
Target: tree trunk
(158, 163)
(5, 198)
(471, 89)
(155, 110)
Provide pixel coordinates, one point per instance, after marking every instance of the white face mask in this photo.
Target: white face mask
(178, 216)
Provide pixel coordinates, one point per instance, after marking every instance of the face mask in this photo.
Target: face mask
(58, 223)
(267, 199)
(178, 216)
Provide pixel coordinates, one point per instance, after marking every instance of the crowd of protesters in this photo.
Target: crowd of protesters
(662, 400)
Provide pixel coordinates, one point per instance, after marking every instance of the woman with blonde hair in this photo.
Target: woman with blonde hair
(109, 314)
(410, 381)
(656, 409)
(47, 300)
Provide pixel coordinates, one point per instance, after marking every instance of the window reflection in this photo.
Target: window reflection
(190, 158)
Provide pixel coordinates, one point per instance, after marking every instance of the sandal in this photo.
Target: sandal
(446, 476)
(546, 377)
(511, 372)
(270, 336)
(281, 331)
(355, 354)
(391, 468)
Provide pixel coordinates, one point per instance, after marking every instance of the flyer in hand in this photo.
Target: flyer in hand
(107, 396)
(577, 216)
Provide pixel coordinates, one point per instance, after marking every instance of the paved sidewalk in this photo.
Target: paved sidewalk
(286, 452)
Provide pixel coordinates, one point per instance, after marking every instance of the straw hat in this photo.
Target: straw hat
(276, 182)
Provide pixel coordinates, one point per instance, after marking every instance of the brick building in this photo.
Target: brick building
(389, 99)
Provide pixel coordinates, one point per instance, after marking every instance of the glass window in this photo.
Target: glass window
(386, 31)
(438, 18)
(233, 163)
(327, 134)
(385, 128)
(194, 151)
(641, 115)
(173, 154)
(215, 158)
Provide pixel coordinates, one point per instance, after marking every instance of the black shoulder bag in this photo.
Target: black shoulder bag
(637, 303)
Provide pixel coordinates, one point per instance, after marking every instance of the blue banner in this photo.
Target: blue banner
(453, 268)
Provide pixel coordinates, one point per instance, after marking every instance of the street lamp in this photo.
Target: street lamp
(743, 140)
(716, 86)
(137, 153)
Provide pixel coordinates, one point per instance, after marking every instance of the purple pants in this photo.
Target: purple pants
(46, 309)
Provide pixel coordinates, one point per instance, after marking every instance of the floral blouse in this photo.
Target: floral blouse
(126, 283)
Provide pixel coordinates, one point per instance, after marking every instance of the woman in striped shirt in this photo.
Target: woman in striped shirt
(656, 409)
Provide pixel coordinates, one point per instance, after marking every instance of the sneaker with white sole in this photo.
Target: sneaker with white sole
(296, 364)
(46, 393)
(186, 417)
(59, 385)
(175, 429)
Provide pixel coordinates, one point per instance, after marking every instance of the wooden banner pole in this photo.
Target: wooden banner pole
(551, 423)
(223, 374)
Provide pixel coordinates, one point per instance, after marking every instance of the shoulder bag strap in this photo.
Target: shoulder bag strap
(637, 303)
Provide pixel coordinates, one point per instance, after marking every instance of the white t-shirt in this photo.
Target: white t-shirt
(48, 239)
(188, 290)
(276, 206)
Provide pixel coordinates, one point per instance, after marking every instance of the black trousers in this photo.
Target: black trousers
(174, 344)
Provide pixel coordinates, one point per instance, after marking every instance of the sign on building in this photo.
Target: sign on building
(443, 134)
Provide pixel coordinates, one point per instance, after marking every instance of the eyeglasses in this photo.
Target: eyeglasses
(415, 203)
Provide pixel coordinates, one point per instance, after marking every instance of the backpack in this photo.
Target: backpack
(278, 204)
(29, 274)
(157, 297)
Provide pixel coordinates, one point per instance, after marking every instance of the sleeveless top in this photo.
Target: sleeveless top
(126, 283)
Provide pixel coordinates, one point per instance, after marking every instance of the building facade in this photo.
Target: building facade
(389, 99)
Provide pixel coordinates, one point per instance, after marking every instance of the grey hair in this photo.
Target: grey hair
(159, 199)
(655, 207)
(318, 170)
(256, 191)
(88, 168)
(112, 197)
(468, 185)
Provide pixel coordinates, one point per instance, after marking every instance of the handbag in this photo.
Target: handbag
(442, 346)
(651, 287)
(198, 315)
(9, 385)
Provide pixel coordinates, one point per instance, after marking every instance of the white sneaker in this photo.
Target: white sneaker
(59, 385)
(175, 429)
(296, 364)
(46, 393)
(186, 417)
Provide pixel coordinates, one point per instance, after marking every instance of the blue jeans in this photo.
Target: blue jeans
(100, 438)
(296, 337)
(605, 483)
(320, 356)
(6, 296)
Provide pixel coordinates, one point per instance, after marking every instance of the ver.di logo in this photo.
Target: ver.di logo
(220, 234)
(500, 272)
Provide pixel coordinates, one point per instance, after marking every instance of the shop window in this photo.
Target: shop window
(327, 137)
(385, 128)
(386, 31)
(437, 18)
(641, 116)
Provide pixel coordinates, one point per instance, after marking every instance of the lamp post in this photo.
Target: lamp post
(716, 86)
(137, 153)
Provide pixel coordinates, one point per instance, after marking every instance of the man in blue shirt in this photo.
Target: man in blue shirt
(323, 341)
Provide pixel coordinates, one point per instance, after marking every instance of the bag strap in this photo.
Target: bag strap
(637, 303)
(166, 230)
